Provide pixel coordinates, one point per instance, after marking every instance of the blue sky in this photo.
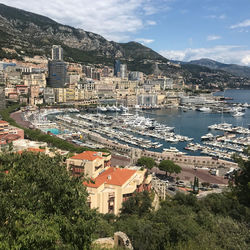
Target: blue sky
(178, 29)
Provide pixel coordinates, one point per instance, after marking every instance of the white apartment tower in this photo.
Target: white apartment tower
(57, 53)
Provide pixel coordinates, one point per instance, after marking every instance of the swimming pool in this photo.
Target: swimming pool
(54, 131)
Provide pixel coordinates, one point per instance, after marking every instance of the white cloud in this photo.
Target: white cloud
(151, 22)
(221, 17)
(114, 19)
(244, 24)
(213, 37)
(225, 54)
(144, 40)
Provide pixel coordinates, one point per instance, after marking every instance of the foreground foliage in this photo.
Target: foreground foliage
(218, 221)
(41, 206)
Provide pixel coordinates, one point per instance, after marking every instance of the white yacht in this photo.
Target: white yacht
(205, 109)
(103, 109)
(238, 114)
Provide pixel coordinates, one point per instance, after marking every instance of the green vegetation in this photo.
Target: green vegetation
(170, 167)
(146, 162)
(41, 205)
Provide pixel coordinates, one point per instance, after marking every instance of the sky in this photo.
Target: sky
(177, 29)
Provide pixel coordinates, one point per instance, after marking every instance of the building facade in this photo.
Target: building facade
(57, 74)
(109, 186)
(2, 98)
(57, 53)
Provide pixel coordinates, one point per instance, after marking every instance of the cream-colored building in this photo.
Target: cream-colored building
(109, 186)
(89, 163)
(114, 186)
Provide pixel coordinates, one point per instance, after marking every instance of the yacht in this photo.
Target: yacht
(171, 149)
(205, 109)
(238, 114)
(103, 109)
(110, 108)
(116, 109)
(123, 108)
(206, 137)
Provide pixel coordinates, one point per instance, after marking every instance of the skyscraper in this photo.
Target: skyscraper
(57, 74)
(57, 68)
(57, 53)
(123, 71)
(117, 70)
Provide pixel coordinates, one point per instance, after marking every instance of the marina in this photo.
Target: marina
(197, 131)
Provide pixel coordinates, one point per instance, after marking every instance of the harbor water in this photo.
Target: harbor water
(194, 123)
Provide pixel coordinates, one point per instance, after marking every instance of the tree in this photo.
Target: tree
(170, 167)
(41, 205)
(146, 162)
(196, 185)
(139, 204)
(242, 182)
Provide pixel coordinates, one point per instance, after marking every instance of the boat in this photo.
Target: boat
(110, 108)
(206, 137)
(116, 109)
(204, 109)
(238, 114)
(102, 109)
(123, 108)
(171, 150)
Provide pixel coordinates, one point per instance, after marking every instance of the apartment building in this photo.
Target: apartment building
(109, 186)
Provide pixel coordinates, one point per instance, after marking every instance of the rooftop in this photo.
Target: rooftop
(3, 122)
(87, 155)
(112, 176)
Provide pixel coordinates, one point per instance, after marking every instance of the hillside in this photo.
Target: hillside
(27, 34)
(242, 71)
(30, 34)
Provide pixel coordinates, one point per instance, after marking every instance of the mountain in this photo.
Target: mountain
(24, 33)
(242, 71)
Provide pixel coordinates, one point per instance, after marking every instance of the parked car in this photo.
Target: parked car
(214, 186)
(171, 189)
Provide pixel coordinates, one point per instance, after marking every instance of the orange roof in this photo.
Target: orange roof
(36, 150)
(112, 176)
(3, 122)
(87, 155)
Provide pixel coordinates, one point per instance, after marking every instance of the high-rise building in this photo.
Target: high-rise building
(57, 53)
(57, 68)
(117, 70)
(57, 74)
(123, 71)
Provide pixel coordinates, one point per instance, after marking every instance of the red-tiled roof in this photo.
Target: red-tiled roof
(36, 150)
(112, 176)
(87, 155)
(3, 122)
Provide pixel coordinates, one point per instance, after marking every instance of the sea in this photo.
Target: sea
(192, 123)
(195, 124)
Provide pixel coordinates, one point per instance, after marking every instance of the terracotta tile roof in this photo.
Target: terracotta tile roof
(3, 122)
(112, 176)
(9, 138)
(35, 150)
(87, 155)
